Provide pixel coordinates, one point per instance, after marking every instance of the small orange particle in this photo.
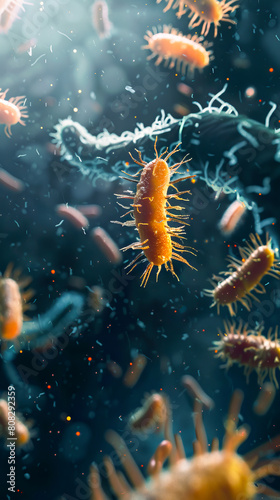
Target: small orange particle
(250, 92)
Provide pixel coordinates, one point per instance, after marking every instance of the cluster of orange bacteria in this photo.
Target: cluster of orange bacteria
(189, 51)
(247, 347)
(151, 213)
(220, 473)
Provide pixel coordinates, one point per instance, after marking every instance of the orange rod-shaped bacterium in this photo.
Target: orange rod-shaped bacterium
(10, 181)
(19, 428)
(182, 51)
(72, 214)
(264, 399)
(250, 349)
(107, 245)
(152, 211)
(232, 217)
(197, 392)
(13, 303)
(135, 370)
(152, 416)
(244, 276)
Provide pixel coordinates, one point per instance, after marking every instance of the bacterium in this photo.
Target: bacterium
(252, 149)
